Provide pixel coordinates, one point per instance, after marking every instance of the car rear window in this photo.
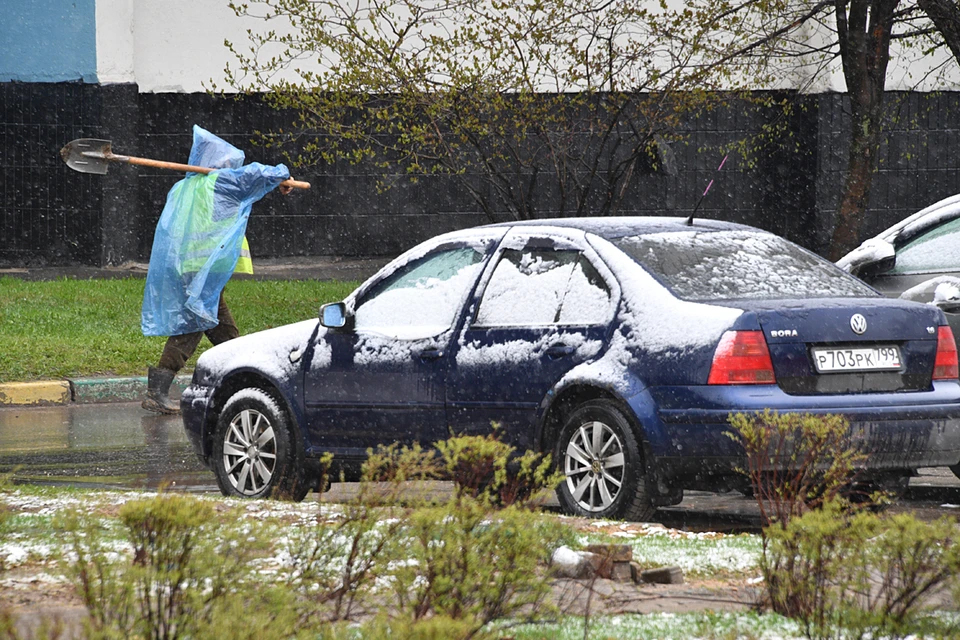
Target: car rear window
(738, 265)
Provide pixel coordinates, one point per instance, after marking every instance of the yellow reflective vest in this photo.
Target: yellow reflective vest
(202, 231)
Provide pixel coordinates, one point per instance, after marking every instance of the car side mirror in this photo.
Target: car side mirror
(947, 296)
(334, 315)
(948, 306)
(876, 268)
(871, 258)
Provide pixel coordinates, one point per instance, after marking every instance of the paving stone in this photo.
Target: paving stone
(660, 575)
(621, 572)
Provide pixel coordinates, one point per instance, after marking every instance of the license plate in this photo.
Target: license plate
(885, 358)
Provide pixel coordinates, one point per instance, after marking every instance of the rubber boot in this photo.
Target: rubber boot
(158, 390)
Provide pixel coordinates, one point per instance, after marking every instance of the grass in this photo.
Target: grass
(666, 626)
(79, 328)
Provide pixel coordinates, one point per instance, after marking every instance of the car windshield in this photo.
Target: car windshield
(738, 265)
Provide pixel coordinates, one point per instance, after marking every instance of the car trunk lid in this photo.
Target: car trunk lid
(847, 346)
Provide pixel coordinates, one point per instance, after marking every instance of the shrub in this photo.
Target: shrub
(468, 563)
(858, 574)
(182, 565)
(465, 560)
(335, 566)
(441, 569)
(796, 462)
(486, 468)
(390, 473)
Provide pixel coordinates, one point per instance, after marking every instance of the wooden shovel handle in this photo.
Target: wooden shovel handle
(176, 166)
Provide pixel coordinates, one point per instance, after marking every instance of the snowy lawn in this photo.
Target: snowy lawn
(30, 534)
(701, 554)
(31, 549)
(32, 537)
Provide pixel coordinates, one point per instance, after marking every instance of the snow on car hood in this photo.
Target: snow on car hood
(274, 352)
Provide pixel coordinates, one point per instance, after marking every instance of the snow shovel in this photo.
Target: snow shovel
(89, 155)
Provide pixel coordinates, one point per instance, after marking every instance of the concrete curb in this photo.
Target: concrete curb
(78, 391)
(35, 393)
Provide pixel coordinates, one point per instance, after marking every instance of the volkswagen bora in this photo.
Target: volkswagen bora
(619, 345)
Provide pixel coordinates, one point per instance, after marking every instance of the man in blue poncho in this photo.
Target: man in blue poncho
(199, 243)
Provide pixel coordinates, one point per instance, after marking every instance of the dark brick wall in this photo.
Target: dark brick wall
(52, 215)
(343, 213)
(773, 188)
(47, 214)
(919, 158)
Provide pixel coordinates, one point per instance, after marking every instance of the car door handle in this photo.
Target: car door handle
(431, 353)
(559, 351)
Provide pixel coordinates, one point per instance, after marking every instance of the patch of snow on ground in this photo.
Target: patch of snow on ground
(694, 552)
(27, 582)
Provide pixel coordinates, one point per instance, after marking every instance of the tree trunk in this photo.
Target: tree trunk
(863, 33)
(861, 166)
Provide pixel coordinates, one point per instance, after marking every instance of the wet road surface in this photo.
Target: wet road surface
(121, 446)
(99, 445)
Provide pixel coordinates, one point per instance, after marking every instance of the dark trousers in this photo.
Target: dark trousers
(179, 348)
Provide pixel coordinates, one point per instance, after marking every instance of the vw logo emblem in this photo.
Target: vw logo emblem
(858, 323)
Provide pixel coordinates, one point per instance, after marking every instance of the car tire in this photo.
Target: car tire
(604, 475)
(255, 454)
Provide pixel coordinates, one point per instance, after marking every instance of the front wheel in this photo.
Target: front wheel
(603, 468)
(254, 453)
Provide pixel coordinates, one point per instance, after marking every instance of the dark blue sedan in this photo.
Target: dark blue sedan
(619, 345)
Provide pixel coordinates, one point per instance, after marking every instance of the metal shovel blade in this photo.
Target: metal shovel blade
(87, 155)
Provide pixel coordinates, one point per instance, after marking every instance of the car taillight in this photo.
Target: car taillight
(742, 357)
(945, 366)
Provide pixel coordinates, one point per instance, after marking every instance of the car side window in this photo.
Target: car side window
(936, 250)
(535, 287)
(421, 299)
(587, 299)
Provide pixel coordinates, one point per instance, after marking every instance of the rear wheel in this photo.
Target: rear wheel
(254, 452)
(603, 468)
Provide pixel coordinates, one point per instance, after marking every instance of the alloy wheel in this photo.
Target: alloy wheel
(250, 452)
(594, 466)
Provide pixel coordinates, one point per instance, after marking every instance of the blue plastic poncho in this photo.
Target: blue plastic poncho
(198, 238)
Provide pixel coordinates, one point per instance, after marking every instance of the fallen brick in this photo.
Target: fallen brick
(660, 575)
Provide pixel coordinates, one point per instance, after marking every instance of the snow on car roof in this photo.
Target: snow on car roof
(621, 226)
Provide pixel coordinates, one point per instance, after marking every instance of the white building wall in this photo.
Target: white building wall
(178, 46)
(116, 44)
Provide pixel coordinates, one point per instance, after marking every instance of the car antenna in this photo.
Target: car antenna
(705, 191)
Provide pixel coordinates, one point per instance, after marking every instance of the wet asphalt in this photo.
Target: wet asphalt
(121, 446)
